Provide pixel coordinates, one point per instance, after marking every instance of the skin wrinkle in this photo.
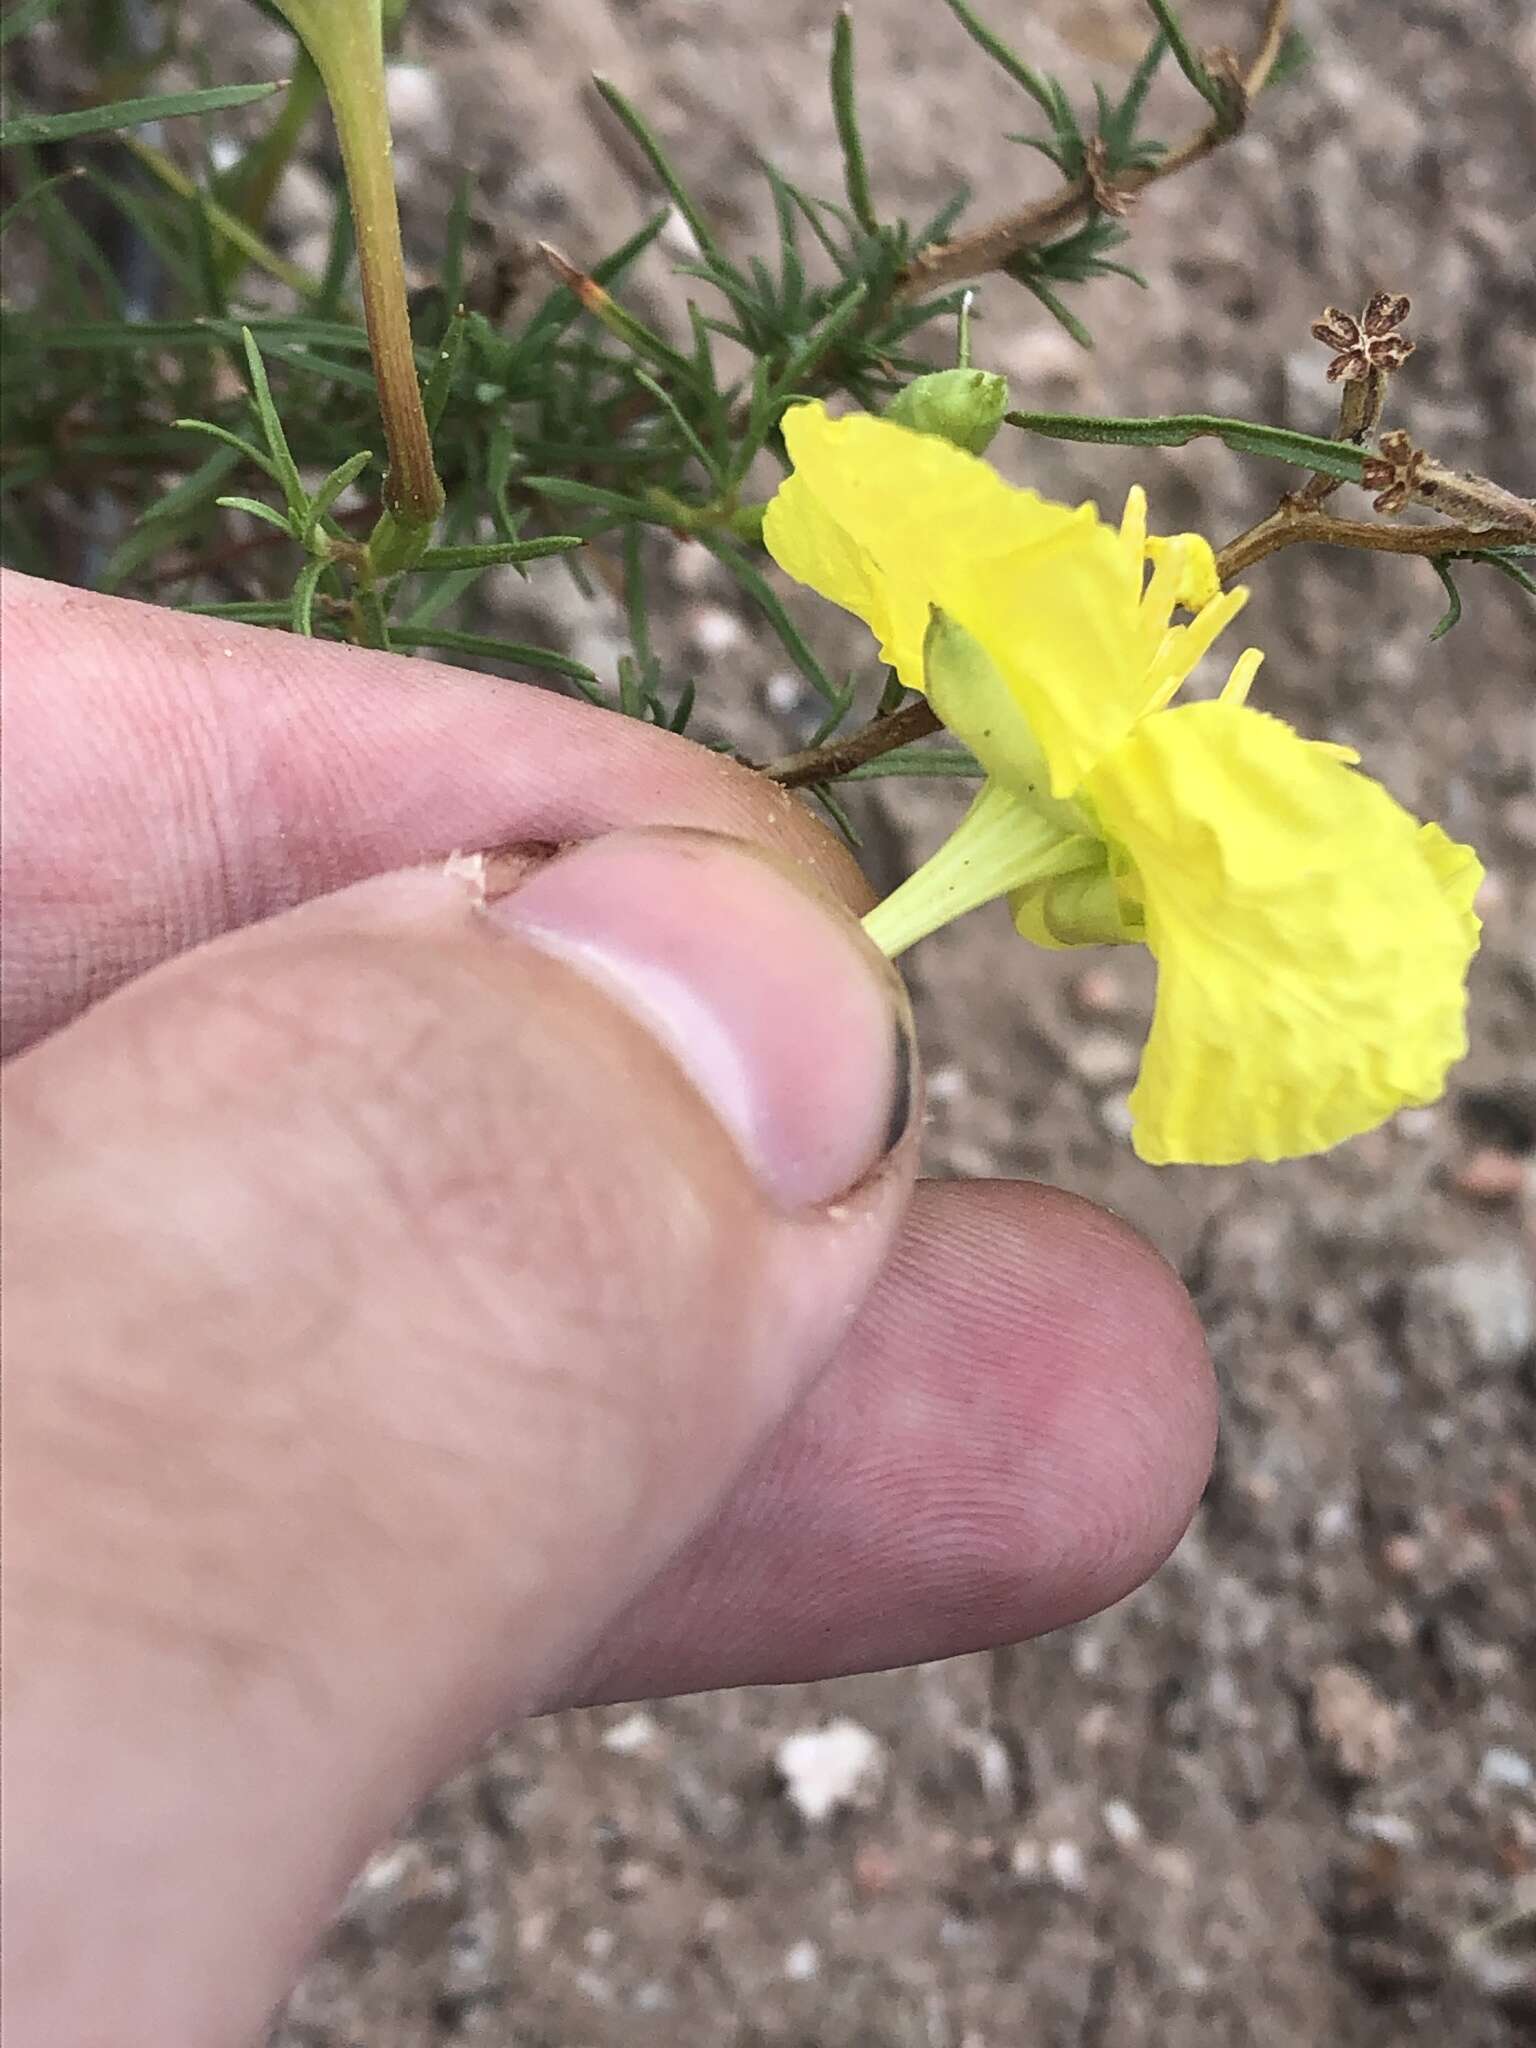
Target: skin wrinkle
(344, 763)
(561, 1411)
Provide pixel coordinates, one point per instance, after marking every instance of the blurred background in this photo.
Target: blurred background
(1286, 1794)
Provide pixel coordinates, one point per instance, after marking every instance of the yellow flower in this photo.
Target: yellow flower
(1312, 938)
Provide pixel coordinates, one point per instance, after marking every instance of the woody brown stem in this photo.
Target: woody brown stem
(822, 764)
(993, 246)
(1360, 404)
(1294, 521)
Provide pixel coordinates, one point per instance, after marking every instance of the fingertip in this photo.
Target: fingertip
(1068, 1417)
(1128, 1450)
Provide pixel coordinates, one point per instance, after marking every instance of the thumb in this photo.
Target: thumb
(392, 1287)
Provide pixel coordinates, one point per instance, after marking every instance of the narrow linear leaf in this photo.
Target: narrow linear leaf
(1057, 308)
(822, 791)
(845, 113)
(444, 368)
(1021, 73)
(301, 613)
(219, 219)
(107, 120)
(566, 491)
(916, 761)
(512, 651)
(670, 406)
(497, 553)
(1451, 616)
(318, 366)
(792, 641)
(1189, 60)
(248, 449)
(1521, 578)
(34, 193)
(661, 164)
(820, 339)
(1173, 430)
(837, 712)
(272, 427)
(331, 489)
(257, 510)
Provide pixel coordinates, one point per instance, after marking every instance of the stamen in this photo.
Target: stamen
(1133, 537)
(1181, 648)
(1240, 682)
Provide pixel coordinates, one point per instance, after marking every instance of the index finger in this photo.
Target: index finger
(170, 777)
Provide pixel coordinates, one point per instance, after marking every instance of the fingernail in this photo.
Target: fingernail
(789, 1023)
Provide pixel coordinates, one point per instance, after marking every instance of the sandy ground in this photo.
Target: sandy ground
(1279, 1798)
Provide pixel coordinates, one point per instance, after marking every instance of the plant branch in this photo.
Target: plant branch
(993, 246)
(825, 763)
(1295, 521)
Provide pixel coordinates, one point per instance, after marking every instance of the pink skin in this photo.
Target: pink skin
(955, 1416)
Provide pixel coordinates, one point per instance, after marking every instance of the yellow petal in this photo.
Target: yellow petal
(1312, 938)
(881, 520)
(969, 691)
(1060, 622)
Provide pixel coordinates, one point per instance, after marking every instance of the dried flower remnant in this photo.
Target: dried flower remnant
(1371, 343)
(1395, 473)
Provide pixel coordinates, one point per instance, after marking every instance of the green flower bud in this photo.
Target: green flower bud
(963, 406)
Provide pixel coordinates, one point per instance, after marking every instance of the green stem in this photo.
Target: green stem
(1000, 844)
(345, 39)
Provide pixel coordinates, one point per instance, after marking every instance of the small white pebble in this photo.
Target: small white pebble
(1064, 1862)
(224, 152)
(945, 1083)
(1099, 1056)
(714, 630)
(840, 1764)
(1028, 1859)
(414, 100)
(1087, 1653)
(1123, 1822)
(994, 1769)
(598, 1942)
(1390, 1828)
(637, 1731)
(1418, 1124)
(784, 691)
(1114, 1113)
(690, 566)
(1506, 1768)
(385, 1870)
(802, 1961)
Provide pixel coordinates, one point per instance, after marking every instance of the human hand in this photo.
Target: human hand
(399, 1339)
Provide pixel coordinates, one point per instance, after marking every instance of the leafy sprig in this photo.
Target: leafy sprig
(583, 429)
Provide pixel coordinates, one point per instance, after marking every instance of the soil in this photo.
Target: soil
(1284, 1796)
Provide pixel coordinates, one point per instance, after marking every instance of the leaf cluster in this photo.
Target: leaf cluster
(188, 414)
